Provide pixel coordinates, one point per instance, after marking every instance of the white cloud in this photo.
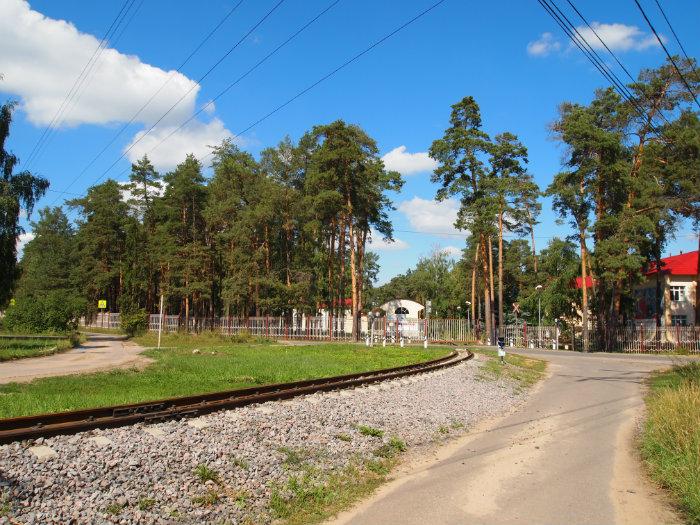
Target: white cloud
(398, 159)
(22, 241)
(546, 44)
(209, 107)
(195, 137)
(618, 37)
(377, 243)
(41, 58)
(429, 216)
(452, 251)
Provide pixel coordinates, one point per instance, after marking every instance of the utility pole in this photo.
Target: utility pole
(160, 324)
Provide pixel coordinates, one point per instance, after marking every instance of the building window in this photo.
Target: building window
(677, 293)
(679, 320)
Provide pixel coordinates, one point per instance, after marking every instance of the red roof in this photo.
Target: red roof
(683, 264)
(590, 282)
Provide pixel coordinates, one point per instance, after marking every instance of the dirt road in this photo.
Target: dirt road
(566, 456)
(100, 352)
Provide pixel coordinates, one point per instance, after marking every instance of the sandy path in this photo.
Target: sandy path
(100, 352)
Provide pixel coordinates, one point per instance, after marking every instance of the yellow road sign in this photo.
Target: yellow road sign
(102, 304)
(12, 302)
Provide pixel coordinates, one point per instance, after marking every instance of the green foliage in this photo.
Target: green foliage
(134, 322)
(370, 431)
(204, 473)
(18, 191)
(54, 312)
(671, 438)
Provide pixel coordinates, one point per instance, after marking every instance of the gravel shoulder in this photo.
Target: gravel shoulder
(230, 466)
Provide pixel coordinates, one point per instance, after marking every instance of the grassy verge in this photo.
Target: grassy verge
(525, 371)
(179, 371)
(671, 438)
(11, 349)
(99, 330)
(311, 496)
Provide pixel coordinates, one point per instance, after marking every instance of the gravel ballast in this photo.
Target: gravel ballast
(154, 474)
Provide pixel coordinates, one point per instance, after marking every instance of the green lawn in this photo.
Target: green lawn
(219, 365)
(526, 371)
(671, 437)
(21, 348)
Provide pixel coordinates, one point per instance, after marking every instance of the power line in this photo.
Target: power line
(248, 72)
(671, 28)
(334, 71)
(592, 55)
(153, 96)
(629, 75)
(675, 66)
(205, 75)
(78, 83)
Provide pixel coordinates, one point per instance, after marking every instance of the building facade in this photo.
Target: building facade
(678, 280)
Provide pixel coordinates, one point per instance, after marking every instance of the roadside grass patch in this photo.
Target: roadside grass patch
(369, 431)
(670, 441)
(313, 497)
(11, 349)
(525, 371)
(146, 503)
(113, 509)
(344, 437)
(209, 498)
(206, 473)
(177, 371)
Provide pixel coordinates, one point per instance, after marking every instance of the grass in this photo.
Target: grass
(205, 473)
(670, 441)
(178, 372)
(313, 496)
(525, 371)
(370, 431)
(11, 349)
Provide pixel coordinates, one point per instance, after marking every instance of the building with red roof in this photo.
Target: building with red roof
(678, 279)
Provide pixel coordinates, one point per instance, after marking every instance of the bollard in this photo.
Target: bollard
(425, 343)
(384, 342)
(367, 341)
(401, 343)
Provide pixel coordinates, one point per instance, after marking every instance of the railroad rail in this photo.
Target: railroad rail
(46, 425)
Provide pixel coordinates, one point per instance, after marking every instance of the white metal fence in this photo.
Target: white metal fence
(639, 338)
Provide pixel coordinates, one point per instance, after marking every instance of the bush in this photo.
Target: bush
(55, 312)
(134, 322)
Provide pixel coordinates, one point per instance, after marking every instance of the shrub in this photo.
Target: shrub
(134, 322)
(54, 312)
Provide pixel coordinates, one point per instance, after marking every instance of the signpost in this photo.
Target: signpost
(428, 308)
(102, 305)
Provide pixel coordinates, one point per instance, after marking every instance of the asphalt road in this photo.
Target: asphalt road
(100, 352)
(567, 456)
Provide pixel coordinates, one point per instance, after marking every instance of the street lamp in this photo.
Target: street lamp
(539, 304)
(469, 324)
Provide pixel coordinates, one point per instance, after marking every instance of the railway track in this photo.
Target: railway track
(46, 425)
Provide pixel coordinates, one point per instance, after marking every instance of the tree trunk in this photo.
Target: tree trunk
(697, 287)
(493, 293)
(500, 268)
(532, 236)
(353, 281)
(584, 289)
(474, 298)
(487, 289)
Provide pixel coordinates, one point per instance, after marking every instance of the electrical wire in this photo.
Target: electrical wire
(77, 85)
(152, 97)
(671, 28)
(680, 74)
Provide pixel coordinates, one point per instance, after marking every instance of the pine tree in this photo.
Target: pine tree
(18, 191)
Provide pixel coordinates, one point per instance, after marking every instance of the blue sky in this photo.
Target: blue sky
(400, 92)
